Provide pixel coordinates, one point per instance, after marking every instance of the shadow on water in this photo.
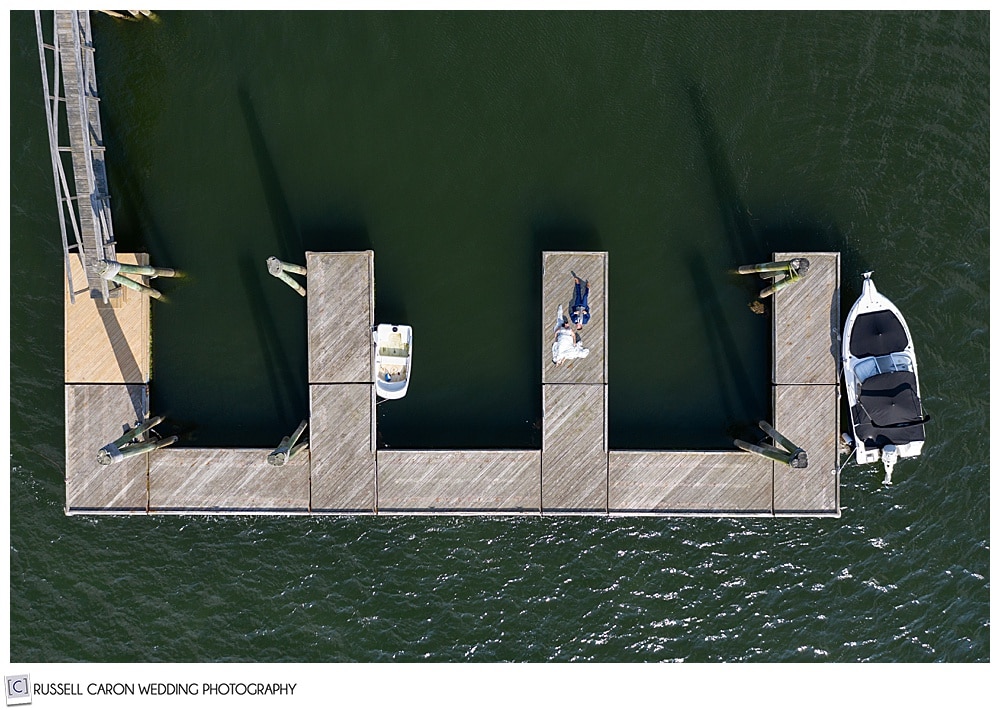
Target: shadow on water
(751, 235)
(556, 231)
(286, 373)
(290, 243)
(430, 421)
(279, 331)
(135, 228)
(742, 402)
(493, 429)
(743, 240)
(186, 431)
(390, 304)
(502, 422)
(337, 232)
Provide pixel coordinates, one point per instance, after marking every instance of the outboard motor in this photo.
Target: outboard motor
(889, 456)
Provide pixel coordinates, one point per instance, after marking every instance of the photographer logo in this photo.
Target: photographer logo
(18, 689)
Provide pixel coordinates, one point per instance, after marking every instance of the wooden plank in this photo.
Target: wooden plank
(226, 481)
(807, 385)
(65, 26)
(95, 416)
(557, 288)
(91, 99)
(84, 130)
(809, 416)
(108, 343)
(574, 449)
(806, 323)
(340, 431)
(459, 481)
(689, 482)
(340, 310)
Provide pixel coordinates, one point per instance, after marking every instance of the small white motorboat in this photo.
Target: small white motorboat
(880, 376)
(393, 352)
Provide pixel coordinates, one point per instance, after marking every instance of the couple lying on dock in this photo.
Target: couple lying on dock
(568, 344)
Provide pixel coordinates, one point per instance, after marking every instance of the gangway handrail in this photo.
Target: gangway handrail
(74, 85)
(51, 122)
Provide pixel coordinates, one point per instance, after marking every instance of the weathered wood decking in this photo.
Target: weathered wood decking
(806, 381)
(689, 482)
(340, 312)
(107, 361)
(557, 289)
(575, 393)
(86, 144)
(575, 472)
(226, 481)
(458, 481)
(342, 452)
(93, 413)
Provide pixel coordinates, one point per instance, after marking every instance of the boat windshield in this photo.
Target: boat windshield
(896, 362)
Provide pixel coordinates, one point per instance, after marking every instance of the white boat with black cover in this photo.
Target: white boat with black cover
(880, 376)
(393, 354)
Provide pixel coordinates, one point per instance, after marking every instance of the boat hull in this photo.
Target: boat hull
(880, 377)
(393, 346)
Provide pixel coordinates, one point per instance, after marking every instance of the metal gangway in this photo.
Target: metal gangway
(77, 147)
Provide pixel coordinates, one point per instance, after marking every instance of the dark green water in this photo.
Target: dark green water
(458, 147)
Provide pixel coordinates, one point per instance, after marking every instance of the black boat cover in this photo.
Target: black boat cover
(878, 333)
(888, 410)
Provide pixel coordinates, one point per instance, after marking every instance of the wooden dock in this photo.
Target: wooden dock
(493, 482)
(72, 109)
(575, 393)
(575, 472)
(806, 383)
(226, 481)
(340, 315)
(107, 362)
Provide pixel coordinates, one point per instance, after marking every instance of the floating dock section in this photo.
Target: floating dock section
(343, 472)
(107, 363)
(340, 314)
(575, 393)
(806, 385)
